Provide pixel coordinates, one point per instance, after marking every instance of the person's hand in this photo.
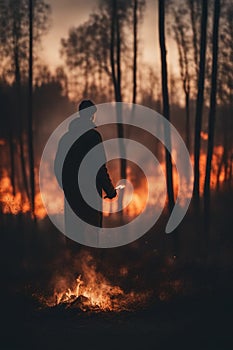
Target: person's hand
(111, 195)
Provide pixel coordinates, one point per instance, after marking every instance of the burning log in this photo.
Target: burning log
(81, 302)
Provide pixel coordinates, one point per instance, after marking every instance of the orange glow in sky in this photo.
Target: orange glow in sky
(72, 13)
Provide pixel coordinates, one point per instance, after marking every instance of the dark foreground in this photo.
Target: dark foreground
(197, 323)
(198, 315)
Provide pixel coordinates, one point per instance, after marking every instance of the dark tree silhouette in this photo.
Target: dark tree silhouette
(18, 23)
(15, 52)
(118, 11)
(166, 109)
(200, 99)
(180, 30)
(225, 88)
(12, 160)
(106, 39)
(212, 110)
(114, 70)
(135, 49)
(30, 109)
(138, 8)
(86, 55)
(118, 51)
(194, 10)
(115, 57)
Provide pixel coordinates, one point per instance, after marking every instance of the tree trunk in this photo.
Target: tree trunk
(12, 160)
(194, 30)
(115, 61)
(30, 110)
(200, 98)
(166, 109)
(118, 54)
(20, 124)
(120, 126)
(184, 70)
(135, 43)
(112, 47)
(212, 111)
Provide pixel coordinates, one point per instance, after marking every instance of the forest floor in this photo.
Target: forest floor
(199, 316)
(203, 322)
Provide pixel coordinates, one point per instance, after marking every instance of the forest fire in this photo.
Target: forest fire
(91, 291)
(19, 203)
(137, 254)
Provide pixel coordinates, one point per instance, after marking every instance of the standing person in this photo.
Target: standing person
(69, 179)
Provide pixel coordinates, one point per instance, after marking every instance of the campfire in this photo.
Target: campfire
(91, 291)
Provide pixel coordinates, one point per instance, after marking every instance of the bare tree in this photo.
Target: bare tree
(180, 30)
(194, 11)
(225, 86)
(12, 160)
(15, 53)
(200, 99)
(166, 109)
(18, 39)
(212, 110)
(30, 109)
(115, 50)
(112, 49)
(135, 49)
(138, 8)
(118, 10)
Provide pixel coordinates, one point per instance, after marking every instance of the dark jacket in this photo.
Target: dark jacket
(70, 170)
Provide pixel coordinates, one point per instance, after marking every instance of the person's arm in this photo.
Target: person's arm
(103, 179)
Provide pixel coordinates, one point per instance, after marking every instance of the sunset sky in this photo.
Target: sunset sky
(69, 13)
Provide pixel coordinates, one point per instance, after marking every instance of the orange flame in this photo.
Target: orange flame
(204, 135)
(15, 204)
(19, 203)
(95, 292)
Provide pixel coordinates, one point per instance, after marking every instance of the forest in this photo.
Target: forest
(159, 288)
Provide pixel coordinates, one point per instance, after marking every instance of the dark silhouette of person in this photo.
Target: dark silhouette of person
(72, 162)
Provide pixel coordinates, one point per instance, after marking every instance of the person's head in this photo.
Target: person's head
(87, 109)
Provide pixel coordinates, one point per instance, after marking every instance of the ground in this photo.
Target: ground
(191, 304)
